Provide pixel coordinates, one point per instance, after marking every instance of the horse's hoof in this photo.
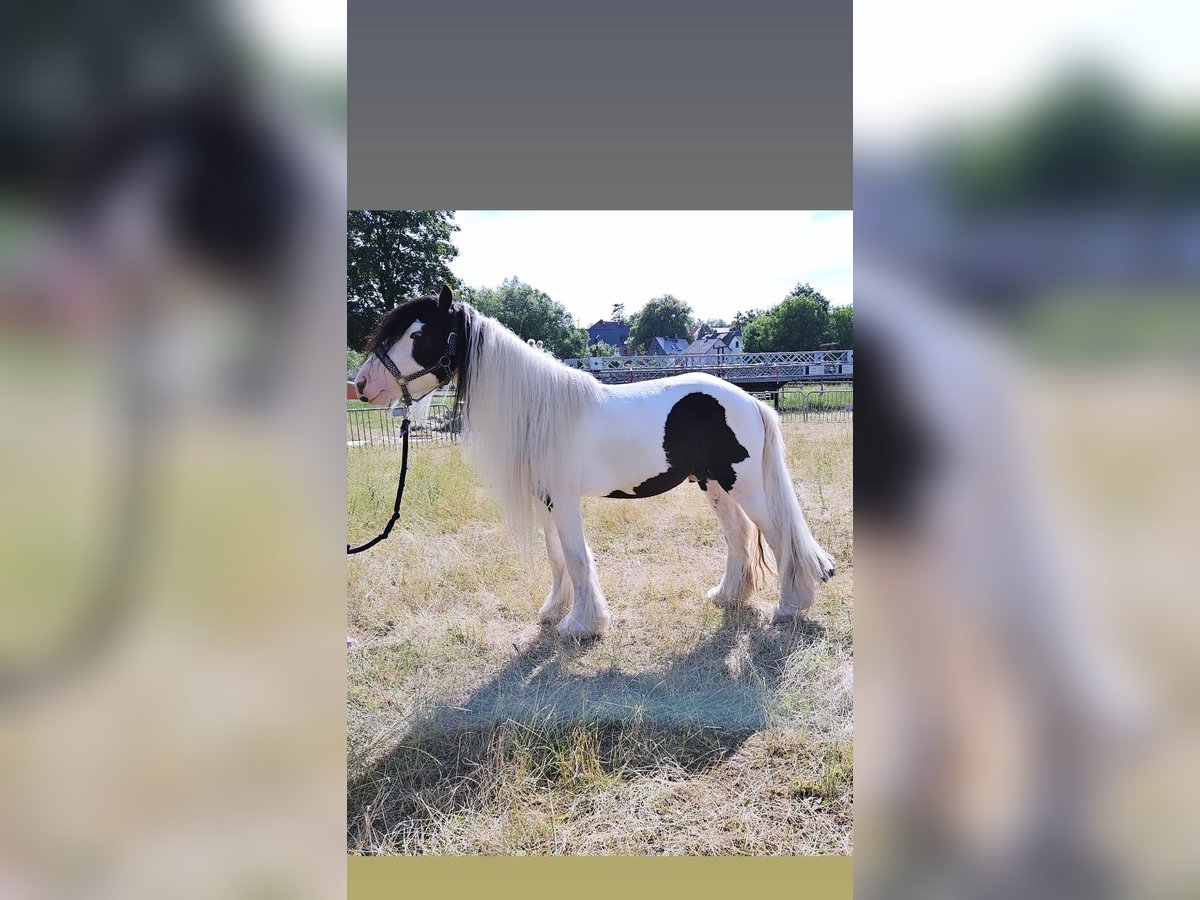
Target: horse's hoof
(719, 597)
(786, 615)
(724, 601)
(572, 628)
(552, 611)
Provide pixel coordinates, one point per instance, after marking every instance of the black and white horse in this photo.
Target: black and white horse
(543, 435)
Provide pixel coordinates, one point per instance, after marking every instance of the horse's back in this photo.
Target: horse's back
(646, 437)
(679, 385)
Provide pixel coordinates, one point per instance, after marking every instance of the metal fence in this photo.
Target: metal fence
(823, 405)
(373, 426)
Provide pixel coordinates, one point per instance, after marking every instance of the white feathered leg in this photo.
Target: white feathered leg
(558, 601)
(770, 501)
(741, 560)
(796, 591)
(589, 615)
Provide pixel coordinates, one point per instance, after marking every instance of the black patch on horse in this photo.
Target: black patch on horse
(699, 443)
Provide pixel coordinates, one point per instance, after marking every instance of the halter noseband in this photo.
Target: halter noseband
(443, 369)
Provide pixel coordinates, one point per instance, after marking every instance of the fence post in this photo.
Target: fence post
(778, 408)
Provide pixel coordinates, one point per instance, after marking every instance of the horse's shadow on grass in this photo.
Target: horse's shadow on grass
(541, 723)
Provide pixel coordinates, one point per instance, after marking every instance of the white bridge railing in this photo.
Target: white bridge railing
(376, 426)
(799, 365)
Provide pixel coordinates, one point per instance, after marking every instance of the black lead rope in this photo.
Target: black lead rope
(387, 529)
(443, 370)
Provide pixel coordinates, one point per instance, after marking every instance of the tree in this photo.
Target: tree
(665, 316)
(391, 256)
(707, 325)
(800, 322)
(742, 319)
(354, 361)
(618, 313)
(531, 314)
(841, 327)
(600, 348)
(804, 289)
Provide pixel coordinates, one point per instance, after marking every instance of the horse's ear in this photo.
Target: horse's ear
(445, 298)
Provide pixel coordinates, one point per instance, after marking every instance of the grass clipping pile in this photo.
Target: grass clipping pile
(687, 729)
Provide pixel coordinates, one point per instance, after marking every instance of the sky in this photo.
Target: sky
(719, 262)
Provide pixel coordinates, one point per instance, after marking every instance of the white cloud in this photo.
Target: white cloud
(719, 262)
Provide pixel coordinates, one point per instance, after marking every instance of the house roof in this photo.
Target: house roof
(670, 345)
(612, 332)
(706, 345)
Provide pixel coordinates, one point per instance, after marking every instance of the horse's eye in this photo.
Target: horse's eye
(416, 334)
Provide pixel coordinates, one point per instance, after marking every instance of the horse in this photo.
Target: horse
(543, 435)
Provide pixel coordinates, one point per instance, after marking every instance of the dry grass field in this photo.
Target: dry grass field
(685, 730)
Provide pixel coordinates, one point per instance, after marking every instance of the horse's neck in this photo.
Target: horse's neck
(521, 357)
(520, 361)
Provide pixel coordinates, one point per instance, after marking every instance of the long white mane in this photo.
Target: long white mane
(521, 411)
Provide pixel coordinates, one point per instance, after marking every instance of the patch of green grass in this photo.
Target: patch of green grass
(833, 777)
(795, 398)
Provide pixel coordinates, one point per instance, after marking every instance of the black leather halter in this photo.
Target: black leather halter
(443, 369)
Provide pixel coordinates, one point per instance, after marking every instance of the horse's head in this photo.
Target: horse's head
(416, 348)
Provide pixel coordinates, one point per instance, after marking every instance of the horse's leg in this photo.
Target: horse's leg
(796, 588)
(558, 602)
(738, 583)
(589, 615)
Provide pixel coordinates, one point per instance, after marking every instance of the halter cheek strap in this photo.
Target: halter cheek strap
(443, 369)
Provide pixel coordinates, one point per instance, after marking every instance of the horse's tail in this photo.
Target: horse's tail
(761, 564)
(801, 561)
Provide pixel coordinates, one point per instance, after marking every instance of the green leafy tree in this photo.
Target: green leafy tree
(618, 313)
(742, 319)
(391, 256)
(354, 361)
(804, 289)
(601, 348)
(800, 322)
(841, 327)
(707, 325)
(665, 316)
(531, 314)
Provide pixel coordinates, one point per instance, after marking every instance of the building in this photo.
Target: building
(709, 350)
(612, 333)
(730, 337)
(711, 347)
(663, 346)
